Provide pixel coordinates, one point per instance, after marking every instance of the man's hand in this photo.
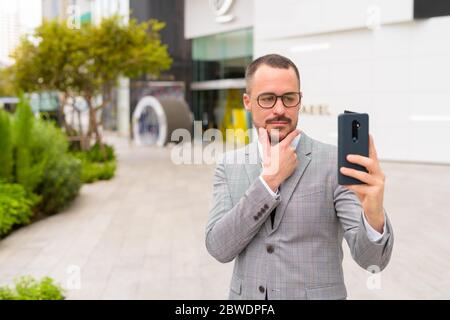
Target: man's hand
(280, 160)
(371, 194)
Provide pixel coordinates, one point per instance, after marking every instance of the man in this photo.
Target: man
(283, 218)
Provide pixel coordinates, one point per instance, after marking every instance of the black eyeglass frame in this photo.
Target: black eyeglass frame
(281, 97)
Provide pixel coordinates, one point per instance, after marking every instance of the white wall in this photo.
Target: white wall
(285, 18)
(199, 18)
(399, 74)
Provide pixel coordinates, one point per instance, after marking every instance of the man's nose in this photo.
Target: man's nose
(279, 108)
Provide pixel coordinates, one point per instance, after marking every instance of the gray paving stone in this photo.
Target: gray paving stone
(141, 235)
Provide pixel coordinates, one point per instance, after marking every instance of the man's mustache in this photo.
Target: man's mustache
(278, 119)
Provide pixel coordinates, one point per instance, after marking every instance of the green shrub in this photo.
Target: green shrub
(34, 154)
(93, 171)
(6, 294)
(61, 178)
(96, 154)
(60, 185)
(28, 167)
(48, 141)
(94, 165)
(15, 207)
(6, 156)
(42, 162)
(27, 288)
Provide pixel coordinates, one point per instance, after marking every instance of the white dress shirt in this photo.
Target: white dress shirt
(373, 234)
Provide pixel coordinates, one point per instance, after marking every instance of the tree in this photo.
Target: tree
(43, 62)
(6, 155)
(88, 61)
(6, 87)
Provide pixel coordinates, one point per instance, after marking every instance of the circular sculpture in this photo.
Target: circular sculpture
(154, 120)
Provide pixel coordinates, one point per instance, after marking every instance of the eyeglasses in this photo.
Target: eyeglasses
(289, 99)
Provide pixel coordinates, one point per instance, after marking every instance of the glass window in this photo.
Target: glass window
(222, 56)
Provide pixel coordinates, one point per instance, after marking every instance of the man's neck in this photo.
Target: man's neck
(294, 144)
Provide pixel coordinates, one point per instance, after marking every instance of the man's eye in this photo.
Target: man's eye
(267, 99)
(290, 98)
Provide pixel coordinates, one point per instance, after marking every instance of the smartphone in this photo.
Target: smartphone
(353, 138)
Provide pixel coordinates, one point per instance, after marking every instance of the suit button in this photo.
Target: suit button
(261, 289)
(255, 217)
(266, 206)
(270, 248)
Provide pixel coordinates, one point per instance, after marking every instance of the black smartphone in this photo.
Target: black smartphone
(353, 138)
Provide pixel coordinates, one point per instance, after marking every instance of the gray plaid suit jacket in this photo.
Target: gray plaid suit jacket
(301, 256)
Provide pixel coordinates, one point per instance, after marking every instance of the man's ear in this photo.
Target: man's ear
(246, 100)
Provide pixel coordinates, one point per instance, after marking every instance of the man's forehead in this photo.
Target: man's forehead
(266, 70)
(275, 78)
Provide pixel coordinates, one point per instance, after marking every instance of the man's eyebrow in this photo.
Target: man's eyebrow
(267, 93)
(276, 94)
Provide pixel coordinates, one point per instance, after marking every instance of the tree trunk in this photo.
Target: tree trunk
(93, 125)
(70, 131)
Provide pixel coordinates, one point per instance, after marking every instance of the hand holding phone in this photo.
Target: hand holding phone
(353, 138)
(363, 175)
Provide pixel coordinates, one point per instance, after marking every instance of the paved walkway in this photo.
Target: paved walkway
(141, 235)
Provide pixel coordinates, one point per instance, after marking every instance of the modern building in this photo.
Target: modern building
(387, 58)
(52, 9)
(10, 31)
(171, 12)
(83, 11)
(222, 45)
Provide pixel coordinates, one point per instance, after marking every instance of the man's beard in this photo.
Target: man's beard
(274, 134)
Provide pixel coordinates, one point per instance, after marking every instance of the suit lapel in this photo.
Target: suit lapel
(287, 187)
(252, 162)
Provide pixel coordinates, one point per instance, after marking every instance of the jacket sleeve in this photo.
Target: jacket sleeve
(365, 252)
(231, 227)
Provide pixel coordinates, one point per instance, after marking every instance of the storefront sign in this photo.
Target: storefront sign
(220, 9)
(316, 109)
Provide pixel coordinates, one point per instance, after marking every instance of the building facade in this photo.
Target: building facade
(11, 29)
(386, 58)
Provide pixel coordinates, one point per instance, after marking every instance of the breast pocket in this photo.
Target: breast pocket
(309, 206)
(310, 190)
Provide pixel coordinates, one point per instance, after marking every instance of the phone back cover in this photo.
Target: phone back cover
(347, 146)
